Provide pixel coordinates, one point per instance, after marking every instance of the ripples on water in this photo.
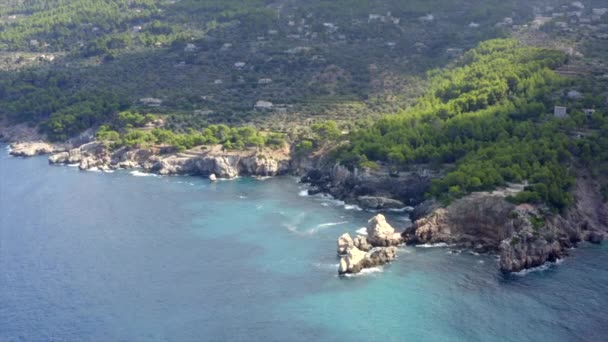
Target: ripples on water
(104, 257)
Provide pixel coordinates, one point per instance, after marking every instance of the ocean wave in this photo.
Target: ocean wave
(94, 169)
(74, 165)
(362, 231)
(303, 193)
(541, 268)
(243, 197)
(433, 245)
(142, 174)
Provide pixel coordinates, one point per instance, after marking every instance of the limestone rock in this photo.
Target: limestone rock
(361, 242)
(59, 158)
(382, 234)
(354, 260)
(30, 149)
(212, 177)
(379, 203)
(344, 243)
(380, 256)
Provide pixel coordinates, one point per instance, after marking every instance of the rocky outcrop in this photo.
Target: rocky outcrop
(479, 221)
(382, 234)
(344, 243)
(161, 160)
(524, 236)
(30, 149)
(355, 260)
(375, 249)
(372, 189)
(378, 203)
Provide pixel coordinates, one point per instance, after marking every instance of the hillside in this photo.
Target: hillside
(191, 73)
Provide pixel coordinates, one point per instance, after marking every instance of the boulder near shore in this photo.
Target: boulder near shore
(379, 247)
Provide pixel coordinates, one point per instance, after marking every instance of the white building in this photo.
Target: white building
(560, 112)
(265, 105)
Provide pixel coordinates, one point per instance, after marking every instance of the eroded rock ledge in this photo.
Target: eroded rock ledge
(523, 236)
(162, 160)
(30, 149)
(379, 247)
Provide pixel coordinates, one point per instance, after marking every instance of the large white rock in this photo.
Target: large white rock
(354, 260)
(59, 158)
(344, 243)
(30, 149)
(212, 177)
(380, 233)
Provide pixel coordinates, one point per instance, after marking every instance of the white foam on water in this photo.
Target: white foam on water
(94, 169)
(241, 197)
(108, 171)
(401, 210)
(227, 179)
(540, 268)
(352, 207)
(73, 165)
(142, 174)
(362, 231)
(324, 226)
(262, 178)
(366, 272)
(331, 224)
(303, 193)
(433, 245)
(325, 204)
(326, 266)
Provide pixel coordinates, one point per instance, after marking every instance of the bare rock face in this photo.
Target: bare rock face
(59, 158)
(382, 234)
(352, 261)
(356, 260)
(379, 203)
(375, 249)
(361, 242)
(525, 250)
(380, 256)
(30, 149)
(344, 243)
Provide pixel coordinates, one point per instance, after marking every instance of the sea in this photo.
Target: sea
(129, 256)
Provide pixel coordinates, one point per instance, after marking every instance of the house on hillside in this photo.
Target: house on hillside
(263, 105)
(589, 112)
(560, 112)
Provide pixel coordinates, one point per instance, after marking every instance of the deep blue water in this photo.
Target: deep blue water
(87, 256)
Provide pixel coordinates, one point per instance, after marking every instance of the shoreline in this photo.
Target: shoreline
(480, 222)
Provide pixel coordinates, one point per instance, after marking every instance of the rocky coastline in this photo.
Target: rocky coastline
(523, 236)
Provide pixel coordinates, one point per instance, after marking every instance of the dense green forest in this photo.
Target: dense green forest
(328, 67)
(491, 118)
(315, 60)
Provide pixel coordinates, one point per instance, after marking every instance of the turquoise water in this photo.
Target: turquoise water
(87, 256)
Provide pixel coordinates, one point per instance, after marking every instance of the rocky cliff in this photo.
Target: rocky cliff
(372, 189)
(524, 236)
(162, 160)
